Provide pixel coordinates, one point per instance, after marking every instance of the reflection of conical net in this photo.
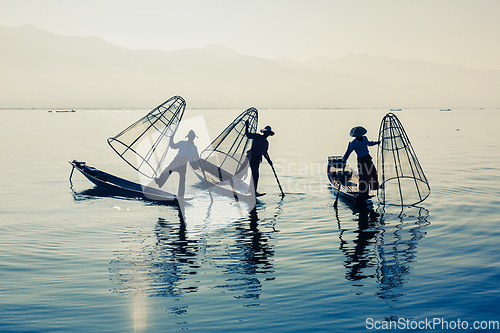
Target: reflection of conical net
(382, 248)
(226, 157)
(403, 180)
(144, 144)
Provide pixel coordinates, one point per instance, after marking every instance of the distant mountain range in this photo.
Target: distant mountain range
(44, 70)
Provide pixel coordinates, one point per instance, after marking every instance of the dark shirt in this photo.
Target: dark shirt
(360, 147)
(259, 145)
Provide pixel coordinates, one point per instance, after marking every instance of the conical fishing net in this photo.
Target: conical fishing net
(144, 144)
(225, 159)
(402, 179)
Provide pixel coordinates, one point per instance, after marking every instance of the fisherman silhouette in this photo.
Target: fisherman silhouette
(368, 178)
(259, 148)
(187, 152)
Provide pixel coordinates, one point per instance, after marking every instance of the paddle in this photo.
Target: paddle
(343, 169)
(275, 175)
(71, 175)
(338, 191)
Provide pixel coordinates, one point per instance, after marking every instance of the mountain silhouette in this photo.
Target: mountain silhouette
(41, 69)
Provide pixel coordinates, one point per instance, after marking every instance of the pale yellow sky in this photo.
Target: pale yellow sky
(463, 32)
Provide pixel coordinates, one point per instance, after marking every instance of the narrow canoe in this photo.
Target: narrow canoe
(343, 179)
(122, 187)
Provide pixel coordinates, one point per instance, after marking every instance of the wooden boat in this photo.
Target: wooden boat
(122, 187)
(226, 184)
(343, 179)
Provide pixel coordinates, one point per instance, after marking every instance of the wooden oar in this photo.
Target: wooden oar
(337, 197)
(275, 175)
(343, 169)
(71, 175)
(338, 190)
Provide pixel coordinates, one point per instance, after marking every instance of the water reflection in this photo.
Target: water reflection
(90, 194)
(98, 193)
(249, 260)
(173, 262)
(156, 266)
(383, 246)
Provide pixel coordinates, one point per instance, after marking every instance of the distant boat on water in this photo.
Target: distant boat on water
(64, 111)
(445, 110)
(395, 109)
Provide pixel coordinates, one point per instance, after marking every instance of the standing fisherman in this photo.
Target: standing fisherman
(259, 148)
(368, 178)
(187, 152)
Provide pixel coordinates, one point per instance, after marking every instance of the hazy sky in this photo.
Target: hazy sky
(464, 32)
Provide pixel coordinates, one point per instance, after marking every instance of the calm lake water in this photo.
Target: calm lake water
(75, 260)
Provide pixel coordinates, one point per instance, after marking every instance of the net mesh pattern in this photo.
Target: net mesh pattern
(144, 144)
(403, 181)
(226, 157)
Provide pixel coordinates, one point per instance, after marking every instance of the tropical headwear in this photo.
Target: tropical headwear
(357, 131)
(267, 129)
(191, 134)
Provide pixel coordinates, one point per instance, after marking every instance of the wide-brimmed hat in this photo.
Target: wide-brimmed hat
(191, 133)
(267, 129)
(357, 131)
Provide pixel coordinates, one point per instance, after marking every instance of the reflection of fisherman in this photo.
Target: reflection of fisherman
(259, 148)
(359, 258)
(366, 170)
(187, 152)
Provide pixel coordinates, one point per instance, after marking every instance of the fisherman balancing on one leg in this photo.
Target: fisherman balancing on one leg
(187, 152)
(368, 178)
(259, 148)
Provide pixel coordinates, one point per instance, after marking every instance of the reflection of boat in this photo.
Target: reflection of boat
(343, 178)
(120, 186)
